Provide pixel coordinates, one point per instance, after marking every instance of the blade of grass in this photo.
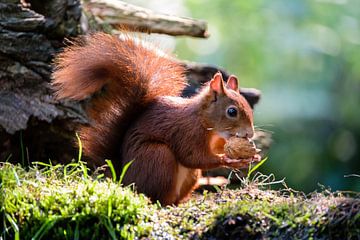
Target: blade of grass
(108, 225)
(272, 183)
(44, 229)
(124, 170)
(52, 169)
(82, 164)
(8, 158)
(84, 169)
(80, 147)
(70, 169)
(77, 232)
(256, 167)
(112, 169)
(217, 189)
(100, 176)
(14, 226)
(43, 164)
(109, 206)
(16, 177)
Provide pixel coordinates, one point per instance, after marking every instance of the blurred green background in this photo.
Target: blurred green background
(305, 58)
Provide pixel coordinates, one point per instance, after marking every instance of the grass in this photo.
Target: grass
(67, 202)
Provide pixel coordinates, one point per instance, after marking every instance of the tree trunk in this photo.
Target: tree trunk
(32, 123)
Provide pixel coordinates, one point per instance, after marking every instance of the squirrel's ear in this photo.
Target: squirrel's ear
(217, 83)
(232, 83)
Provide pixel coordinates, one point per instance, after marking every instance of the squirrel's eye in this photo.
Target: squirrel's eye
(231, 112)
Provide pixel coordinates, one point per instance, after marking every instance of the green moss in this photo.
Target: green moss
(268, 214)
(59, 202)
(63, 202)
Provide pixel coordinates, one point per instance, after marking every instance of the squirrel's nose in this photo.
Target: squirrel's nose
(250, 133)
(246, 133)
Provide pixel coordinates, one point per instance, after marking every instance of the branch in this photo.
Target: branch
(117, 13)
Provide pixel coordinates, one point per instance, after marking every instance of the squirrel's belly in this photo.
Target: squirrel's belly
(182, 173)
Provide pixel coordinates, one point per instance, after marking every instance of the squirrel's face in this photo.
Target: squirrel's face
(226, 111)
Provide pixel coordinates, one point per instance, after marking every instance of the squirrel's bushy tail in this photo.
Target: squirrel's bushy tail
(126, 75)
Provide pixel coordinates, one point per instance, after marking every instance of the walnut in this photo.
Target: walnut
(240, 148)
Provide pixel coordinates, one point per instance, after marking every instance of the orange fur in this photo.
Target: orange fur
(137, 114)
(133, 76)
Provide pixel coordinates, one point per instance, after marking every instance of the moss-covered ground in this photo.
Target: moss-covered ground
(65, 202)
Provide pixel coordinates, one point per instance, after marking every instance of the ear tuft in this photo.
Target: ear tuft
(232, 83)
(217, 83)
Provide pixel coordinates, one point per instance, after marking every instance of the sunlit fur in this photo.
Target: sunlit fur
(137, 114)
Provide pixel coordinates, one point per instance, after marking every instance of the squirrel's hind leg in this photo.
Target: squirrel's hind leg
(153, 172)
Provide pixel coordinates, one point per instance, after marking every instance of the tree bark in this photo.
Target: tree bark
(30, 34)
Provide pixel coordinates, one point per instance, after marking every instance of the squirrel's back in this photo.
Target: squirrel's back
(126, 74)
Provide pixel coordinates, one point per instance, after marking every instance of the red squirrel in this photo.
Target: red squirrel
(136, 113)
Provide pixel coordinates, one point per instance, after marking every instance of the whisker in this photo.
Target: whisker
(265, 125)
(264, 130)
(260, 127)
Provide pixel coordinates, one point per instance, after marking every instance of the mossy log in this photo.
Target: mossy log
(65, 202)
